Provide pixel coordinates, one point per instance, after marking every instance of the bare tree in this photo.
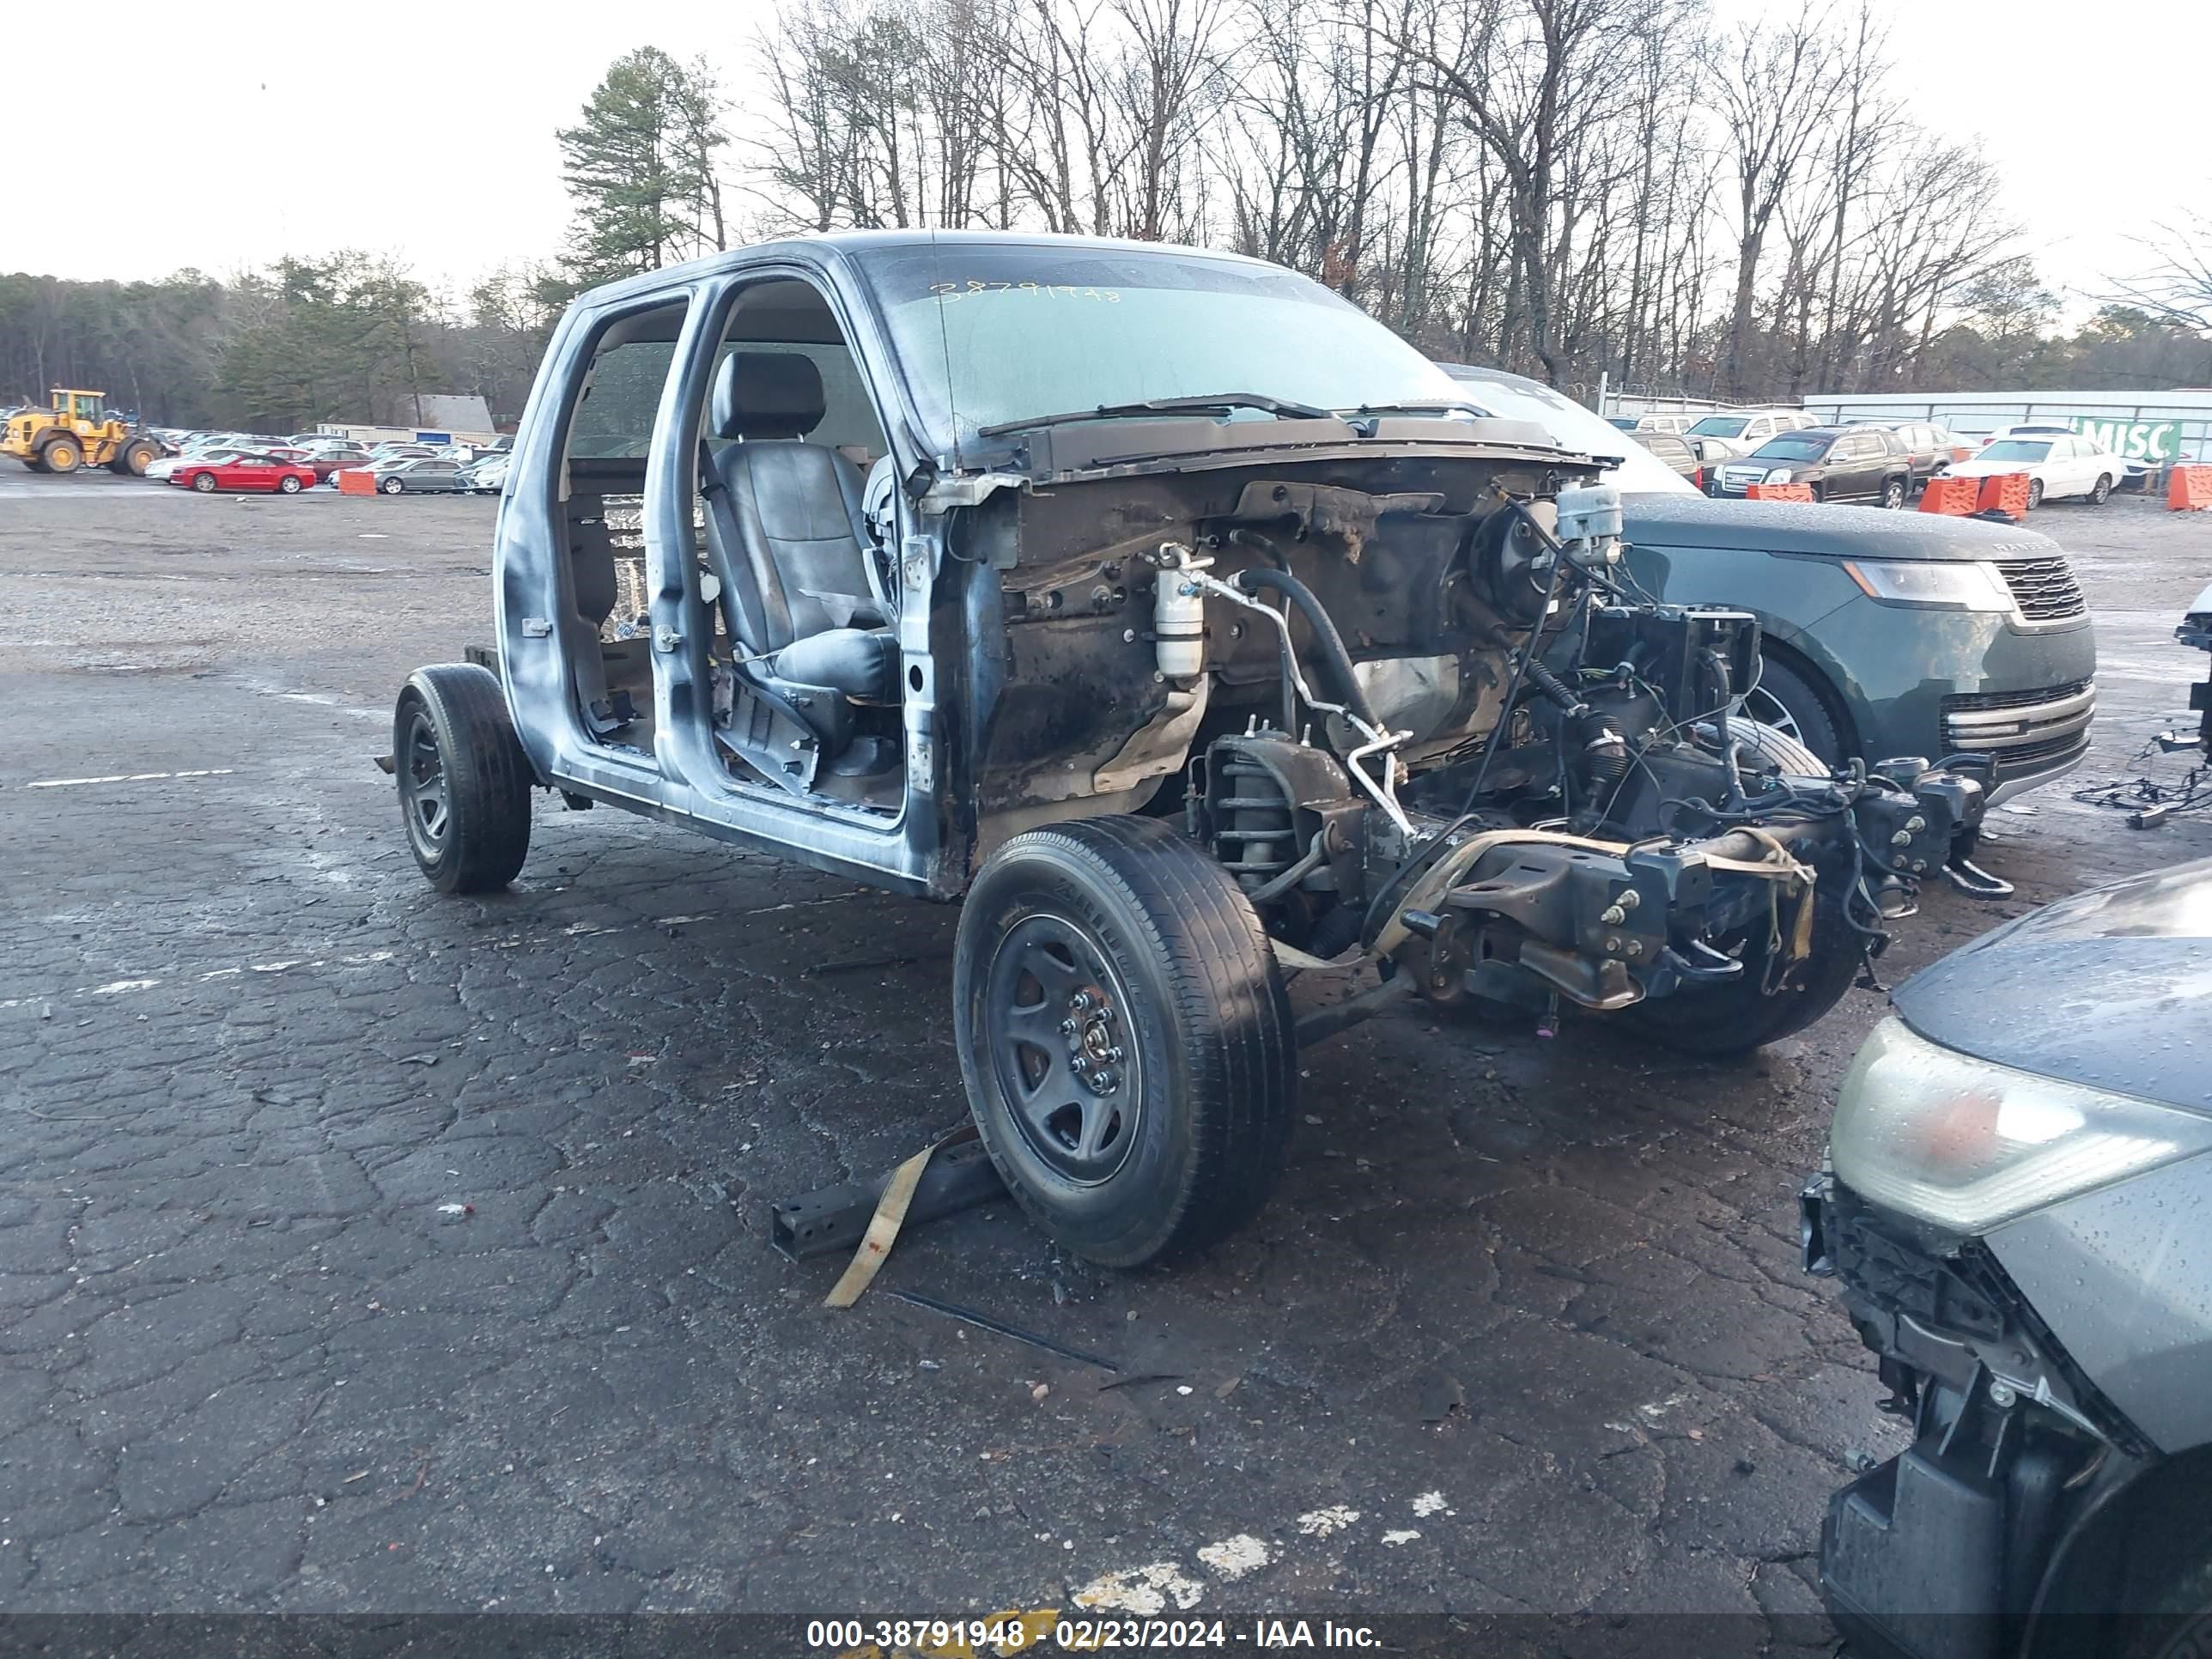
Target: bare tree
(2178, 285)
(1569, 186)
(1770, 84)
(1165, 80)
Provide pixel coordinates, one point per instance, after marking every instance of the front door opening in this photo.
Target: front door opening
(796, 500)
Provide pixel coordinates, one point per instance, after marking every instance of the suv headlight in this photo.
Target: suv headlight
(1776, 475)
(1966, 1143)
(1945, 585)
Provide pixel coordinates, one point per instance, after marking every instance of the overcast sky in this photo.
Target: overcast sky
(427, 131)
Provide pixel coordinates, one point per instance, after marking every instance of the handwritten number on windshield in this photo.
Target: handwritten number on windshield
(952, 291)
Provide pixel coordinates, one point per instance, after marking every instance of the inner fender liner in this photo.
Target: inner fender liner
(1911, 1552)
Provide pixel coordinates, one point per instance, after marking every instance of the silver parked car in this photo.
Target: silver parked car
(2019, 1175)
(486, 476)
(418, 474)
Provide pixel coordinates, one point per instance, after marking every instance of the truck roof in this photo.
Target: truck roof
(847, 242)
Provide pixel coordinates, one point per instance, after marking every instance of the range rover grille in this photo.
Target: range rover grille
(2044, 589)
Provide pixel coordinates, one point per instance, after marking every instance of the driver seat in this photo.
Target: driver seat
(787, 540)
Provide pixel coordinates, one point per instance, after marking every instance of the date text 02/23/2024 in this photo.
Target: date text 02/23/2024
(1048, 1632)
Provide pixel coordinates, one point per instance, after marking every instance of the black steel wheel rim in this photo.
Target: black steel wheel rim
(424, 790)
(1062, 1048)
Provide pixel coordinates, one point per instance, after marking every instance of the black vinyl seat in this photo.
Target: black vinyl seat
(786, 534)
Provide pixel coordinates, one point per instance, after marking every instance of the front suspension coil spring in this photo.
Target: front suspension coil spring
(1254, 836)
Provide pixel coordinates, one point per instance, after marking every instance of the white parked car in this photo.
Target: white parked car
(1740, 431)
(2031, 429)
(2135, 474)
(2057, 465)
(161, 469)
(1677, 424)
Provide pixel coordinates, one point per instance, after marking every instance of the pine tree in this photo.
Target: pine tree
(640, 165)
(349, 336)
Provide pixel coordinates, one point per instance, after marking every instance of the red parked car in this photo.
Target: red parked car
(262, 472)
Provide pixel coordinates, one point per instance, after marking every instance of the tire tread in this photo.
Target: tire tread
(1229, 1008)
(489, 776)
(1720, 1021)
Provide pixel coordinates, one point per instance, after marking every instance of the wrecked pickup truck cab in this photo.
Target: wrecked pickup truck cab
(1187, 624)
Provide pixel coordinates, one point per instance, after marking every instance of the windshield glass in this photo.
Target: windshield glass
(1791, 447)
(1721, 426)
(2012, 449)
(990, 333)
(1572, 426)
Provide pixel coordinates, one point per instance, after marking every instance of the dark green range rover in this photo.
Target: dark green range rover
(1885, 633)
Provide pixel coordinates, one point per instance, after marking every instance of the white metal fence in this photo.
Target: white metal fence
(2156, 427)
(2160, 427)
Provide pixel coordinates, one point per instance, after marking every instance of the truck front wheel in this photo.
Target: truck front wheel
(1124, 1038)
(464, 780)
(1739, 1016)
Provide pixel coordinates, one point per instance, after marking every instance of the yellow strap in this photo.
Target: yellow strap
(1783, 865)
(883, 1230)
(1782, 855)
(1804, 879)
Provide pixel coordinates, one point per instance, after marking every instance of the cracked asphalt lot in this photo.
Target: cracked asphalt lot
(364, 1249)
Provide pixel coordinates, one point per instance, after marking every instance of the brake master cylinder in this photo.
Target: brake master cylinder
(1588, 527)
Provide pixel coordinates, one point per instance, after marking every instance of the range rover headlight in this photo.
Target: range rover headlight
(1966, 1144)
(1933, 584)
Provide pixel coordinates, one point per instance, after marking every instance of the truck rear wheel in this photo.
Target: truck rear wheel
(62, 455)
(1125, 1037)
(464, 780)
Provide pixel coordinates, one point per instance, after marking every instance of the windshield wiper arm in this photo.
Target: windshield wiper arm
(1438, 406)
(1282, 409)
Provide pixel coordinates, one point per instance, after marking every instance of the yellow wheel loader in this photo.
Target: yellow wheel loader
(78, 431)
